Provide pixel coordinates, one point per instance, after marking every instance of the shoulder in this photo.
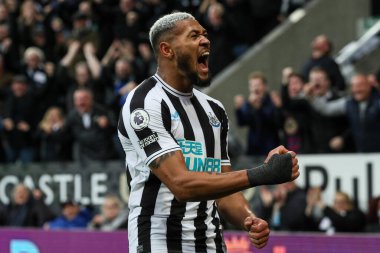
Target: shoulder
(209, 99)
(144, 94)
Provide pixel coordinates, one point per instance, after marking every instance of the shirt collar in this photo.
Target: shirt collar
(170, 89)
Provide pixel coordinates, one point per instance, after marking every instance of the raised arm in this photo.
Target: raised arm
(329, 108)
(71, 53)
(91, 59)
(170, 168)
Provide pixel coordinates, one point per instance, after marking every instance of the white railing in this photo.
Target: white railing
(356, 50)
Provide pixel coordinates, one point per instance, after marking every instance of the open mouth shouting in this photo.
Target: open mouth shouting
(203, 63)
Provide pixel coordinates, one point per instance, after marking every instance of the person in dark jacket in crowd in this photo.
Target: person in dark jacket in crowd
(296, 113)
(362, 108)
(26, 209)
(91, 127)
(261, 115)
(52, 148)
(73, 217)
(284, 207)
(342, 216)
(321, 58)
(325, 128)
(19, 122)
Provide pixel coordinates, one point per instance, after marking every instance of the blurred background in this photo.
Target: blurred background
(300, 73)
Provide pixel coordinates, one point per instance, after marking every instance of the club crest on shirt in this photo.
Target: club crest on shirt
(213, 120)
(139, 119)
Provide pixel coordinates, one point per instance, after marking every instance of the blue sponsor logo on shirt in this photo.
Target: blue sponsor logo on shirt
(175, 116)
(194, 158)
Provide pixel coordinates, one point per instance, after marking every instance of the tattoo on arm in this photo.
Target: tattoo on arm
(157, 162)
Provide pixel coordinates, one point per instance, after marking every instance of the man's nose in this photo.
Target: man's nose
(205, 42)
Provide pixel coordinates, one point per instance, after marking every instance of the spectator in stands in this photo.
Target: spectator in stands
(83, 75)
(148, 62)
(113, 215)
(363, 111)
(321, 58)
(122, 21)
(26, 209)
(4, 17)
(115, 72)
(5, 83)
(83, 30)
(72, 217)
(296, 113)
(123, 81)
(373, 215)
(28, 19)
(53, 148)
(325, 128)
(91, 127)
(40, 77)
(19, 122)
(260, 113)
(58, 36)
(9, 49)
(115, 77)
(284, 207)
(42, 38)
(341, 217)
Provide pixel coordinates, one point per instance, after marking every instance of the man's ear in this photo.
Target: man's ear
(166, 50)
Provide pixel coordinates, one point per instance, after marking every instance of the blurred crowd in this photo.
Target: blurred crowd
(315, 111)
(27, 209)
(66, 66)
(286, 207)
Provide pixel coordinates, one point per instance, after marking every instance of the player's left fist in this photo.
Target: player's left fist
(258, 231)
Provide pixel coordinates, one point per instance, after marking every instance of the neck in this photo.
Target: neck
(175, 79)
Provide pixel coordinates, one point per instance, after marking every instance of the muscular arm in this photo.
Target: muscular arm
(170, 168)
(234, 208)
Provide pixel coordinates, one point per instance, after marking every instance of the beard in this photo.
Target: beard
(185, 66)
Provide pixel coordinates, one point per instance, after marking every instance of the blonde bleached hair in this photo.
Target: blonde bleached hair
(164, 25)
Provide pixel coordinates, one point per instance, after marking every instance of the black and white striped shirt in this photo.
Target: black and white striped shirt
(157, 119)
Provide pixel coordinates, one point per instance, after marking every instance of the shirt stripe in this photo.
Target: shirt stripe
(199, 222)
(216, 222)
(222, 117)
(137, 102)
(177, 211)
(148, 201)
